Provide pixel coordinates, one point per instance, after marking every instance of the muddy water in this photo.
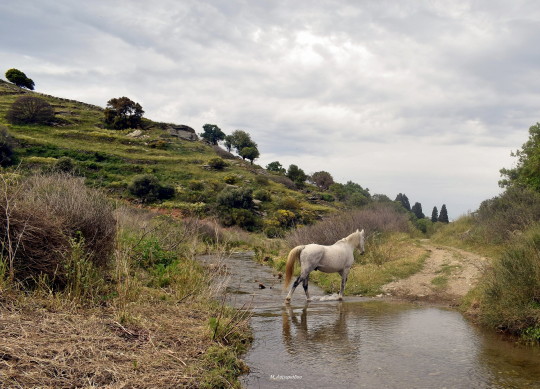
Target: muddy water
(368, 343)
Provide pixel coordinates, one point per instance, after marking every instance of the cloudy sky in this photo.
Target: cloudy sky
(426, 98)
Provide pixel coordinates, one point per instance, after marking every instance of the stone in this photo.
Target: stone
(182, 131)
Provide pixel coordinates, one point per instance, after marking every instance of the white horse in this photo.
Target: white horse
(337, 258)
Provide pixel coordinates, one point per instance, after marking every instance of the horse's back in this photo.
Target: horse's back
(327, 259)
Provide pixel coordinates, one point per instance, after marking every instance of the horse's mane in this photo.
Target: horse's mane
(350, 237)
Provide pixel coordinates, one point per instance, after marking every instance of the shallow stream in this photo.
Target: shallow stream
(366, 342)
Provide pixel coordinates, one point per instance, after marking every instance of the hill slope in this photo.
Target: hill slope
(110, 159)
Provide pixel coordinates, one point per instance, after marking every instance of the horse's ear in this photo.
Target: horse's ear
(362, 232)
(357, 230)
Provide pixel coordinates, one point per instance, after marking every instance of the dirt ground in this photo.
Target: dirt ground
(448, 274)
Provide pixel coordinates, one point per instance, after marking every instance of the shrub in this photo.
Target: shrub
(327, 197)
(236, 198)
(230, 179)
(377, 218)
(511, 288)
(262, 195)
(514, 210)
(217, 163)
(7, 144)
(30, 110)
(289, 203)
(122, 113)
(148, 188)
(44, 218)
(64, 164)
(195, 185)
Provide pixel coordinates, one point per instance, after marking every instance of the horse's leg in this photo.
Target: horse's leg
(344, 274)
(303, 278)
(305, 285)
(291, 291)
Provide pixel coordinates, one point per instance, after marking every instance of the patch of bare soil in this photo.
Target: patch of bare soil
(448, 275)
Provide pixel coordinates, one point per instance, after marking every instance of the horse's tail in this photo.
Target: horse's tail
(294, 256)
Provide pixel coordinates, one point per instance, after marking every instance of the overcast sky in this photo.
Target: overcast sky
(426, 98)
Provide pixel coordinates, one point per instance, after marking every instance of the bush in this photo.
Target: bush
(7, 144)
(122, 113)
(327, 197)
(262, 195)
(236, 198)
(230, 179)
(148, 189)
(45, 218)
(377, 218)
(64, 164)
(514, 210)
(510, 298)
(217, 163)
(30, 110)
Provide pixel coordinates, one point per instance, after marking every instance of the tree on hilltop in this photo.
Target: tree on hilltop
(275, 167)
(250, 153)
(122, 113)
(19, 78)
(417, 210)
(404, 201)
(435, 215)
(296, 175)
(443, 216)
(212, 134)
(322, 179)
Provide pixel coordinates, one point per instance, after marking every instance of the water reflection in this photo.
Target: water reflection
(322, 336)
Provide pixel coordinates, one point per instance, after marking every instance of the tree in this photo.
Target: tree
(275, 167)
(251, 153)
(322, 179)
(435, 215)
(30, 110)
(122, 113)
(212, 134)
(404, 201)
(296, 175)
(19, 78)
(417, 210)
(228, 142)
(527, 170)
(443, 216)
(240, 139)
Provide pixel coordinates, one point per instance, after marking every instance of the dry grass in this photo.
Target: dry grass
(42, 217)
(161, 346)
(150, 328)
(378, 218)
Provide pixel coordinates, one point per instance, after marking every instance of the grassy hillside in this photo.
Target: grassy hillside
(110, 159)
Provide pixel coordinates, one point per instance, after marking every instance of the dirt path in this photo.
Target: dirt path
(448, 274)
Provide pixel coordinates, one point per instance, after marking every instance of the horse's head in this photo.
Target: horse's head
(361, 241)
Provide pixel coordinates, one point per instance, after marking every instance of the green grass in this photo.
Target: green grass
(110, 159)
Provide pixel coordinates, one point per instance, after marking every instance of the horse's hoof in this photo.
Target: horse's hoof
(340, 298)
(287, 300)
